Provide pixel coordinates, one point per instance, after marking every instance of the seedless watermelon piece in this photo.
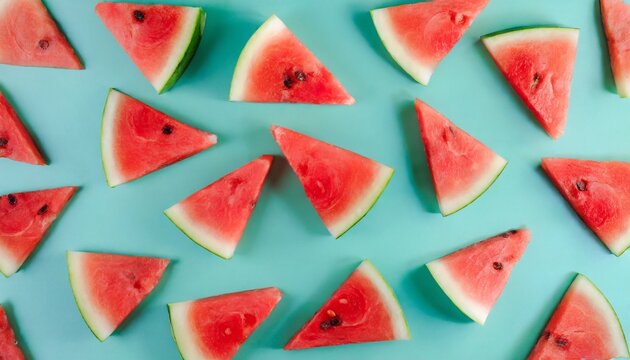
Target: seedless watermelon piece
(30, 37)
(418, 36)
(137, 139)
(275, 66)
(462, 168)
(538, 63)
(108, 287)
(214, 328)
(15, 141)
(616, 19)
(598, 192)
(583, 326)
(474, 277)
(9, 348)
(24, 220)
(215, 216)
(160, 39)
(363, 309)
(341, 185)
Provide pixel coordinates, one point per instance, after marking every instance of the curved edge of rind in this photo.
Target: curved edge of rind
(180, 334)
(525, 28)
(107, 158)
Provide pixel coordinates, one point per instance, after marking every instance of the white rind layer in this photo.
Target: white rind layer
(8, 264)
(496, 41)
(621, 243)
(112, 174)
(185, 337)
(623, 85)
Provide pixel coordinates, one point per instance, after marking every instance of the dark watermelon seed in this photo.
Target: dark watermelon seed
(497, 266)
(546, 335)
(287, 81)
(536, 80)
(336, 321)
(3, 142)
(562, 342)
(43, 44)
(581, 185)
(167, 129)
(42, 210)
(138, 15)
(450, 128)
(326, 324)
(300, 75)
(12, 199)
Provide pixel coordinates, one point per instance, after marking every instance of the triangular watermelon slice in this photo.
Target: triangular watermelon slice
(108, 287)
(30, 37)
(461, 166)
(598, 192)
(24, 220)
(418, 36)
(137, 139)
(583, 326)
(363, 309)
(275, 66)
(15, 141)
(9, 348)
(341, 185)
(214, 328)
(474, 277)
(215, 216)
(160, 39)
(616, 19)
(538, 62)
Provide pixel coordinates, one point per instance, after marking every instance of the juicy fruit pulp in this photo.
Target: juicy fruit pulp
(538, 63)
(9, 349)
(214, 328)
(215, 216)
(275, 66)
(15, 141)
(616, 19)
(474, 277)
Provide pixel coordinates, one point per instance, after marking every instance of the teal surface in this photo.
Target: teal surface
(285, 244)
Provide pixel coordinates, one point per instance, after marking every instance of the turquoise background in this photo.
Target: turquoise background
(285, 244)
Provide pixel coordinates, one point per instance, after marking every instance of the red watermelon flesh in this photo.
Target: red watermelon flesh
(474, 277)
(215, 216)
(598, 192)
(616, 19)
(30, 37)
(583, 326)
(9, 349)
(137, 139)
(216, 327)
(275, 66)
(15, 141)
(538, 63)
(24, 220)
(108, 287)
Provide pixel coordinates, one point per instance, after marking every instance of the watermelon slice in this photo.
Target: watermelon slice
(616, 19)
(599, 192)
(275, 66)
(418, 36)
(15, 141)
(474, 277)
(30, 37)
(215, 216)
(24, 220)
(108, 287)
(363, 309)
(462, 167)
(137, 139)
(214, 328)
(9, 349)
(341, 185)
(538, 63)
(583, 326)
(160, 39)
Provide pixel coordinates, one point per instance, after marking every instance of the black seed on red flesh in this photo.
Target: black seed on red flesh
(12, 199)
(138, 15)
(3, 141)
(43, 44)
(497, 266)
(300, 76)
(335, 321)
(42, 210)
(287, 81)
(581, 185)
(536, 80)
(562, 342)
(167, 129)
(332, 322)
(546, 335)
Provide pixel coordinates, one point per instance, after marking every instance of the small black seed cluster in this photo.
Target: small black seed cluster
(290, 78)
(332, 322)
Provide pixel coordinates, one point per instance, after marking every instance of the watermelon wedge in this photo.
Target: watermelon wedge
(474, 277)
(583, 326)
(341, 185)
(599, 193)
(616, 19)
(214, 328)
(462, 168)
(215, 216)
(418, 36)
(15, 141)
(275, 66)
(137, 139)
(9, 348)
(30, 37)
(363, 309)
(24, 220)
(108, 287)
(538, 63)
(160, 39)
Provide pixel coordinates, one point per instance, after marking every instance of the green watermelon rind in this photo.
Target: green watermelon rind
(174, 332)
(525, 28)
(108, 175)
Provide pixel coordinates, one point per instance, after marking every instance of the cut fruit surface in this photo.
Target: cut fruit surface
(616, 19)
(341, 185)
(538, 63)
(214, 328)
(275, 66)
(137, 139)
(15, 141)
(363, 309)
(418, 36)
(462, 168)
(474, 277)
(9, 349)
(215, 216)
